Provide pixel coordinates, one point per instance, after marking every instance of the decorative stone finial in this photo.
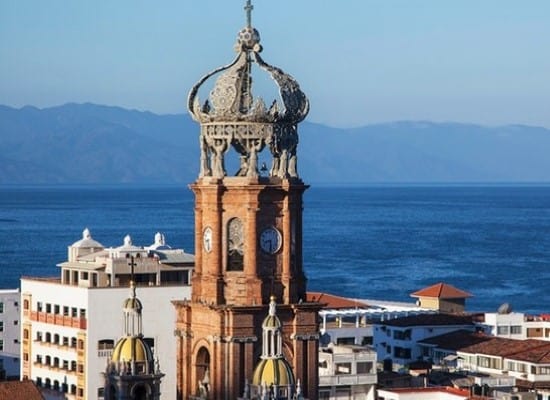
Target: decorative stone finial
(159, 239)
(86, 234)
(272, 305)
(127, 240)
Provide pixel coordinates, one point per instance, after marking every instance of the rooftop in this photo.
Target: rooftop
(530, 350)
(20, 390)
(333, 301)
(456, 340)
(441, 291)
(429, 320)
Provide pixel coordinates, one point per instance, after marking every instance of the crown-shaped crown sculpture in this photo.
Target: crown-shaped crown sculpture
(231, 117)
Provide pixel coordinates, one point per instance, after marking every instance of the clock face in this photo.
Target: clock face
(270, 240)
(207, 239)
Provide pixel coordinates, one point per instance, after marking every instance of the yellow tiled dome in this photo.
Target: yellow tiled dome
(273, 372)
(132, 349)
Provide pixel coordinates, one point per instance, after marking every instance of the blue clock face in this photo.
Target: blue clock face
(270, 240)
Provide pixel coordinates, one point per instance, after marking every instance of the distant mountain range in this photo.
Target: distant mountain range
(88, 143)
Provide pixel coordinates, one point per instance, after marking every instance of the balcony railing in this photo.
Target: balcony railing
(347, 379)
(57, 319)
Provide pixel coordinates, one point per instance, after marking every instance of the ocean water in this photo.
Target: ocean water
(376, 242)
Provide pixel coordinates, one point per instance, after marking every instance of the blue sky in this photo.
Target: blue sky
(359, 61)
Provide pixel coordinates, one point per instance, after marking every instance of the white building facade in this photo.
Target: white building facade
(70, 325)
(347, 372)
(10, 333)
(397, 340)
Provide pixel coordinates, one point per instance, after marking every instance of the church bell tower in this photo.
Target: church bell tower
(248, 231)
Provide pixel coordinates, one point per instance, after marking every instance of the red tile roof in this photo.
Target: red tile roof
(20, 390)
(333, 301)
(456, 340)
(441, 291)
(532, 350)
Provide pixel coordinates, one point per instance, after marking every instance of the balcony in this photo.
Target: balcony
(58, 319)
(347, 379)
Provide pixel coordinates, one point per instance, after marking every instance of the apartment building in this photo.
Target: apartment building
(10, 334)
(70, 324)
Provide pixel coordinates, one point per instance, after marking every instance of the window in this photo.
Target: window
(1, 326)
(48, 308)
(65, 311)
(25, 356)
(39, 381)
(56, 309)
(502, 330)
(65, 341)
(105, 344)
(73, 389)
(73, 365)
(342, 368)
(39, 306)
(38, 359)
(366, 341)
(400, 352)
(1, 344)
(235, 245)
(364, 367)
(38, 336)
(345, 340)
(515, 330)
(84, 276)
(73, 342)
(74, 312)
(82, 313)
(65, 364)
(544, 370)
(1, 307)
(25, 304)
(16, 322)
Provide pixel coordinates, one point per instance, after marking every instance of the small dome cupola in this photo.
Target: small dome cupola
(132, 370)
(232, 118)
(87, 241)
(273, 370)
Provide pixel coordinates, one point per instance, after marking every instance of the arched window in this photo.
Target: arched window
(235, 245)
(202, 365)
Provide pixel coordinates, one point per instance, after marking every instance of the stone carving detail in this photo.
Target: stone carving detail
(235, 245)
(232, 118)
